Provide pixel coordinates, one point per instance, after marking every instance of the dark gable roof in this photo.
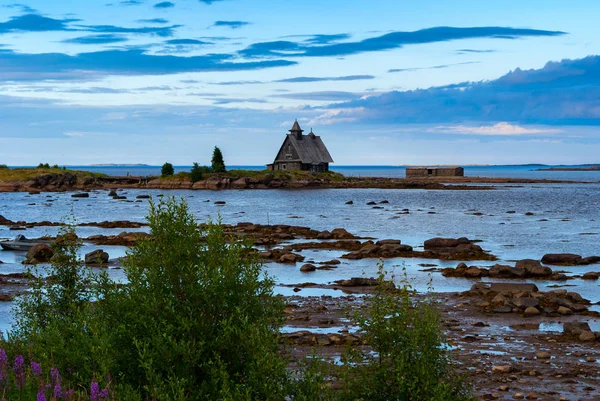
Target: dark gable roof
(311, 149)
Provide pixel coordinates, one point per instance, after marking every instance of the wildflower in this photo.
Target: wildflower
(3, 358)
(41, 396)
(3, 367)
(19, 373)
(95, 392)
(36, 369)
(69, 393)
(58, 393)
(55, 376)
(104, 394)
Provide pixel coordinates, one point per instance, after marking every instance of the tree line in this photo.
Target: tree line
(197, 172)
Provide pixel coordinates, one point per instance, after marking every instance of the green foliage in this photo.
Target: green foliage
(217, 162)
(3, 166)
(409, 359)
(197, 172)
(55, 166)
(196, 319)
(198, 314)
(43, 165)
(167, 170)
(56, 320)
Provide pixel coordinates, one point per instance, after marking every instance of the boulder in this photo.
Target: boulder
(441, 243)
(350, 202)
(388, 242)
(590, 260)
(473, 272)
(340, 233)
(563, 310)
(369, 249)
(561, 259)
(40, 253)
(308, 268)
(533, 268)
(587, 336)
(505, 271)
(358, 282)
(513, 287)
(526, 302)
(390, 249)
(575, 327)
(113, 193)
(142, 197)
(531, 311)
(97, 257)
(591, 276)
(324, 235)
(290, 258)
(502, 369)
(81, 195)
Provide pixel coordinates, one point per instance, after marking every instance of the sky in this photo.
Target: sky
(385, 82)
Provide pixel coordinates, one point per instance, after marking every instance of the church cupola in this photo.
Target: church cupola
(296, 130)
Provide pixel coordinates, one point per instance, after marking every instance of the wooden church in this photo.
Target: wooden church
(302, 152)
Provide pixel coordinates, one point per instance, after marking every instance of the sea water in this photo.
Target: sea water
(543, 218)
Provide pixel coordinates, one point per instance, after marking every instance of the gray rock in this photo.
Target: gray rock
(308, 268)
(531, 311)
(526, 302)
(533, 268)
(513, 287)
(562, 259)
(575, 327)
(97, 257)
(587, 336)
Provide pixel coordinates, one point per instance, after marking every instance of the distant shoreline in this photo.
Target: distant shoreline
(589, 168)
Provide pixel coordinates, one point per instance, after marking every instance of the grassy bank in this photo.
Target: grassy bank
(262, 175)
(26, 174)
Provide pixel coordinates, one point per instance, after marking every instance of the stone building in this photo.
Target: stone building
(302, 152)
(437, 171)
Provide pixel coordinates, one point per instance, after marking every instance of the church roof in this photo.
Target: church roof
(310, 149)
(296, 127)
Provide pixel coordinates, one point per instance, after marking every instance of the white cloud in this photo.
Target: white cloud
(502, 128)
(336, 116)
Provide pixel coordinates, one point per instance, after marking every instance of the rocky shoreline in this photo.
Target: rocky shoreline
(512, 340)
(60, 182)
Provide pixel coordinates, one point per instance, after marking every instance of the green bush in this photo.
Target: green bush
(167, 170)
(43, 165)
(3, 166)
(197, 172)
(408, 359)
(196, 319)
(56, 320)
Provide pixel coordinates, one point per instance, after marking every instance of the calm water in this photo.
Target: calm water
(566, 218)
(512, 171)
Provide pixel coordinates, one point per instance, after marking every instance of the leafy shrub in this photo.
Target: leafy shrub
(3, 166)
(167, 170)
(196, 319)
(409, 359)
(198, 314)
(43, 165)
(197, 172)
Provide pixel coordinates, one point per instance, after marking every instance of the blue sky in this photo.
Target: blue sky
(383, 82)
